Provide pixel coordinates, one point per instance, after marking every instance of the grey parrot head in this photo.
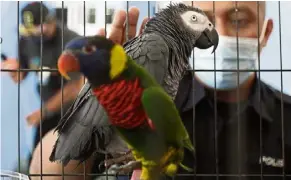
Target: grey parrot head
(186, 24)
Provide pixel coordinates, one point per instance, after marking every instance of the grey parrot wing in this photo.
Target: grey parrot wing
(151, 52)
(83, 130)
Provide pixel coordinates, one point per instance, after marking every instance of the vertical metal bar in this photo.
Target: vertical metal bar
(282, 105)
(149, 10)
(62, 79)
(105, 7)
(149, 15)
(215, 107)
(260, 99)
(238, 93)
(84, 19)
(41, 83)
(84, 8)
(18, 92)
(127, 23)
(105, 24)
(194, 108)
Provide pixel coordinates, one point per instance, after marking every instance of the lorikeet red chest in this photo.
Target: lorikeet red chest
(122, 101)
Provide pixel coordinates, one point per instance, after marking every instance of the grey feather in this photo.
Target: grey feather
(83, 130)
(151, 52)
(163, 50)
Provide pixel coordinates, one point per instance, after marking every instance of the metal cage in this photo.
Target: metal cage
(108, 19)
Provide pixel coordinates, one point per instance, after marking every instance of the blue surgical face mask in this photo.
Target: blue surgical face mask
(228, 56)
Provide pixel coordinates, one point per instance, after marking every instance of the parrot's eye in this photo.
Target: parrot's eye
(88, 49)
(194, 18)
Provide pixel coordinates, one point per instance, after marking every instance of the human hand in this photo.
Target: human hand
(118, 27)
(12, 64)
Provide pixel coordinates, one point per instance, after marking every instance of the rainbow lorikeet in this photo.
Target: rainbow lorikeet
(143, 114)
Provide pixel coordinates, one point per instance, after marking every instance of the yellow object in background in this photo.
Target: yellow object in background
(24, 31)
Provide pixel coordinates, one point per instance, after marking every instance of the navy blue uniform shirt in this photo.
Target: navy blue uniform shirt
(230, 143)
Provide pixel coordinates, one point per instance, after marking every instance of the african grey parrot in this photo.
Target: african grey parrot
(163, 49)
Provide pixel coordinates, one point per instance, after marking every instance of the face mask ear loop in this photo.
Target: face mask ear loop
(264, 27)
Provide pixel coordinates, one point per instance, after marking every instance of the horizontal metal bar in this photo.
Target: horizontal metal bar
(29, 70)
(231, 70)
(198, 70)
(228, 175)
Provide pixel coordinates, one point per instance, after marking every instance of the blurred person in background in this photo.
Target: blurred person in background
(225, 144)
(30, 47)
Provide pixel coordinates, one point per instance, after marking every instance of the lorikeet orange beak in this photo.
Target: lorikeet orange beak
(67, 62)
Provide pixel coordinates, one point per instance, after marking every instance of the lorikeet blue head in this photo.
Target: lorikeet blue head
(98, 58)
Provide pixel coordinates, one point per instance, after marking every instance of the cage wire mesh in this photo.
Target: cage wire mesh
(10, 175)
(106, 174)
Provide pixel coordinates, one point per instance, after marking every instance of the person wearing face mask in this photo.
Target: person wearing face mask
(238, 118)
(230, 49)
(45, 43)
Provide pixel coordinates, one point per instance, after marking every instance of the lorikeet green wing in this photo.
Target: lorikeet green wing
(162, 112)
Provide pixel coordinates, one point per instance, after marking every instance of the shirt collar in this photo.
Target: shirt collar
(190, 94)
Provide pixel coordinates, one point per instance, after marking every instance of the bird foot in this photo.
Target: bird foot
(167, 156)
(121, 159)
(124, 158)
(127, 168)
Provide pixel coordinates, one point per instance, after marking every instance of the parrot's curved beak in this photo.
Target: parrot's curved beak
(67, 62)
(207, 39)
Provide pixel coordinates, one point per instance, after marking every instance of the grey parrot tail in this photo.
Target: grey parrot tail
(82, 131)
